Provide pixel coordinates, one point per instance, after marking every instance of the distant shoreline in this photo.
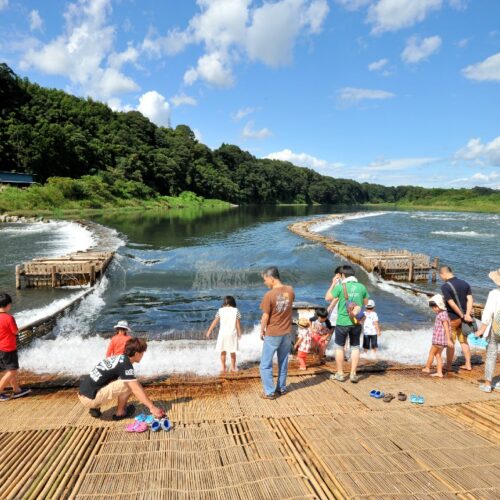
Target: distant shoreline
(488, 208)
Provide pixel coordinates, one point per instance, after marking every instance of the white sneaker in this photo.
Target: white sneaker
(485, 388)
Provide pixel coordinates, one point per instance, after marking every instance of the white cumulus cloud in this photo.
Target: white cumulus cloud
(213, 68)
(353, 4)
(36, 21)
(417, 50)
(303, 160)
(241, 113)
(155, 107)
(490, 179)
(377, 65)
(249, 132)
(477, 152)
(487, 70)
(231, 29)
(183, 99)
(393, 15)
(353, 95)
(399, 163)
(81, 52)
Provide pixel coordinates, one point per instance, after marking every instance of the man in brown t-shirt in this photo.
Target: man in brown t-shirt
(276, 326)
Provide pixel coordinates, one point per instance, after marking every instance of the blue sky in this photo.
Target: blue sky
(387, 91)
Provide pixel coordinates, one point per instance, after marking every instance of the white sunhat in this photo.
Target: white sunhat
(439, 301)
(122, 324)
(370, 304)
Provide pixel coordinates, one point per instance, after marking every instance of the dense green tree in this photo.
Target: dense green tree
(52, 134)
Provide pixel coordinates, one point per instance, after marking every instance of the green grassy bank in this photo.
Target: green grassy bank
(62, 196)
(449, 202)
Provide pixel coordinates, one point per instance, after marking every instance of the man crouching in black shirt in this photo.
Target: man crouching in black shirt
(114, 378)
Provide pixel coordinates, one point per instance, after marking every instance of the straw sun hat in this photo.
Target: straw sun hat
(495, 277)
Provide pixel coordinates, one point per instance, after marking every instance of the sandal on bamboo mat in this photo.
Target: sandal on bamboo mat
(136, 427)
(419, 400)
(401, 396)
(378, 395)
(163, 424)
(129, 412)
(388, 398)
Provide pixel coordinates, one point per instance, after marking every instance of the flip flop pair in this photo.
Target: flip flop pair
(388, 398)
(137, 427)
(163, 424)
(147, 419)
(377, 394)
(418, 400)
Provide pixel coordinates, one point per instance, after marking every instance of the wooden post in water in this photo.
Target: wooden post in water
(410, 269)
(92, 275)
(435, 266)
(18, 277)
(54, 277)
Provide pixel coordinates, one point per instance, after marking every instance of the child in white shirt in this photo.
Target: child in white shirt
(371, 329)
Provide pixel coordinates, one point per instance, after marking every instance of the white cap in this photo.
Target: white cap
(439, 301)
(122, 324)
(370, 304)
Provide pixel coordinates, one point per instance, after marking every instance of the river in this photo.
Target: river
(173, 269)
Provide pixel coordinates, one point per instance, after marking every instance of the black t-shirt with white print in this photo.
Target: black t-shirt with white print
(107, 371)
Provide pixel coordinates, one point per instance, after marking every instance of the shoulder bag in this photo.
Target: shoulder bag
(356, 313)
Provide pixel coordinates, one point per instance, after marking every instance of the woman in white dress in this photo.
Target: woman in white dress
(229, 331)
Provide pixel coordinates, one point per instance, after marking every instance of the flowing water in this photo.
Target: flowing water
(173, 269)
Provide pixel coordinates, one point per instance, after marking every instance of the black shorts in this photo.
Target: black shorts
(342, 332)
(8, 360)
(370, 341)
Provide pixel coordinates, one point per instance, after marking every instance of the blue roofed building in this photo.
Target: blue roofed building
(16, 179)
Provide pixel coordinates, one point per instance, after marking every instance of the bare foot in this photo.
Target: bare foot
(439, 375)
(426, 370)
(466, 368)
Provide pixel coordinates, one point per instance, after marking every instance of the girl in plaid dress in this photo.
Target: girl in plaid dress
(441, 336)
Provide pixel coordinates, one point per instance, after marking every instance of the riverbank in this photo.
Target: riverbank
(472, 205)
(323, 439)
(90, 195)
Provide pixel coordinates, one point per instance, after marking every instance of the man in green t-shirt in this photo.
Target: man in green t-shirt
(356, 292)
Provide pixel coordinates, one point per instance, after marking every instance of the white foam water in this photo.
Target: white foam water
(323, 226)
(23, 318)
(463, 234)
(64, 236)
(80, 320)
(391, 287)
(77, 355)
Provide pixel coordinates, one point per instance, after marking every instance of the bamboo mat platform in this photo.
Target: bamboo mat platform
(323, 439)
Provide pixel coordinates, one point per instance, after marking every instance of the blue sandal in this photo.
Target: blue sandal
(378, 395)
(418, 400)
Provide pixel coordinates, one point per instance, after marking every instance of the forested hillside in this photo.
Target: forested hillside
(50, 133)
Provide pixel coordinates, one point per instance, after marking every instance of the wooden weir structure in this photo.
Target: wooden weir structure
(80, 268)
(396, 265)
